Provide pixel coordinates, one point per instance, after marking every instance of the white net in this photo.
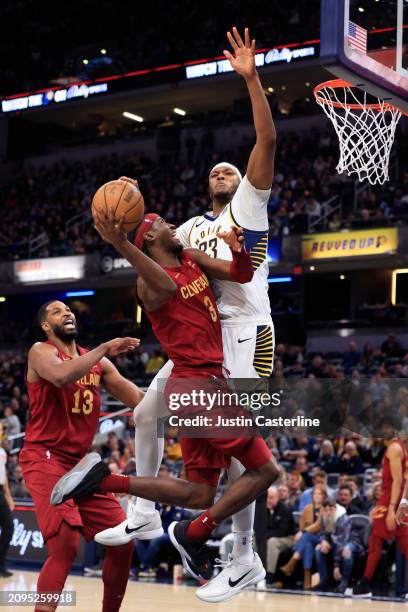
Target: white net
(366, 131)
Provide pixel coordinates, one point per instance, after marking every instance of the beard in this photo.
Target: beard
(223, 197)
(329, 523)
(65, 335)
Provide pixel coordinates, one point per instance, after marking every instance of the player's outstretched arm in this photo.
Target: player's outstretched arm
(119, 387)
(239, 269)
(44, 361)
(154, 285)
(261, 161)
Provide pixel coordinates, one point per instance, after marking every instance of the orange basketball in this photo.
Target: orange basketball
(123, 198)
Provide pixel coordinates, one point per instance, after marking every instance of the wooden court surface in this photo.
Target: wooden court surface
(148, 597)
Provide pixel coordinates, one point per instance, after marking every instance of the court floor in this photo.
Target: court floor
(147, 597)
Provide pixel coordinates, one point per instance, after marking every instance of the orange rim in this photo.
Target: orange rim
(341, 84)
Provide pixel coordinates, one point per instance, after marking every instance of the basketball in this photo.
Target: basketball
(123, 198)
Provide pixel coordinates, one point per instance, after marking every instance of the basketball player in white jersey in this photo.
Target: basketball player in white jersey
(247, 328)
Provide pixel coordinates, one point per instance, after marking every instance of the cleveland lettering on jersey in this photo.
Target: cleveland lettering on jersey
(89, 379)
(191, 289)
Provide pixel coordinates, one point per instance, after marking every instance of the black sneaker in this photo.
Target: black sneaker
(84, 479)
(194, 555)
(4, 573)
(341, 587)
(322, 587)
(363, 589)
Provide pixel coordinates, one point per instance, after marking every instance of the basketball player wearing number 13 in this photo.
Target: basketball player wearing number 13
(247, 328)
(63, 382)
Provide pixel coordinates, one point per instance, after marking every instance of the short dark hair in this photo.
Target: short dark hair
(320, 473)
(329, 502)
(352, 478)
(42, 312)
(349, 489)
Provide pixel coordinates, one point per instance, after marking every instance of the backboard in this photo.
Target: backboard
(365, 42)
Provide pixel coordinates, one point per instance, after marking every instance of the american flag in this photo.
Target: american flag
(357, 37)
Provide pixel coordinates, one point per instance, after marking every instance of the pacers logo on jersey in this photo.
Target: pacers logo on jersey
(194, 288)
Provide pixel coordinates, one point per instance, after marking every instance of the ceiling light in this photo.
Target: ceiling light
(271, 89)
(342, 277)
(179, 111)
(361, 10)
(85, 61)
(137, 118)
(103, 51)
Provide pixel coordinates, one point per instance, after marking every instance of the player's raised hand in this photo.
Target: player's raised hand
(243, 57)
(108, 228)
(121, 345)
(129, 180)
(234, 238)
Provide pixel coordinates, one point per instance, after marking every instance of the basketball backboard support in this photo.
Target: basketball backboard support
(365, 42)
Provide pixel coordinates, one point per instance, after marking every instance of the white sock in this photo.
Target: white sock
(145, 506)
(148, 446)
(242, 522)
(242, 550)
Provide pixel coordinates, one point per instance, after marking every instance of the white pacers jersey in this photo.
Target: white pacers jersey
(246, 304)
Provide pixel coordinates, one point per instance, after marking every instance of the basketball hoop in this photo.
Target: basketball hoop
(366, 131)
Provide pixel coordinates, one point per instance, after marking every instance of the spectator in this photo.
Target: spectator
(328, 460)
(295, 485)
(17, 484)
(351, 358)
(390, 347)
(340, 543)
(12, 422)
(172, 450)
(368, 358)
(302, 466)
(280, 529)
(319, 478)
(6, 508)
(317, 366)
(155, 363)
(345, 499)
(284, 495)
(301, 446)
(350, 460)
(306, 538)
(359, 501)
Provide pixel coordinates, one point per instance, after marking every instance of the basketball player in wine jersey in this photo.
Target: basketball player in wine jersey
(174, 291)
(247, 328)
(386, 523)
(64, 382)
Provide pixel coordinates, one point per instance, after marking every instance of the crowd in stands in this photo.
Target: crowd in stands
(47, 55)
(38, 204)
(328, 479)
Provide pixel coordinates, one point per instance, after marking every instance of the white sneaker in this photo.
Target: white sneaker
(233, 578)
(137, 526)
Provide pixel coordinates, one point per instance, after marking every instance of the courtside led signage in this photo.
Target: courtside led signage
(273, 56)
(57, 96)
